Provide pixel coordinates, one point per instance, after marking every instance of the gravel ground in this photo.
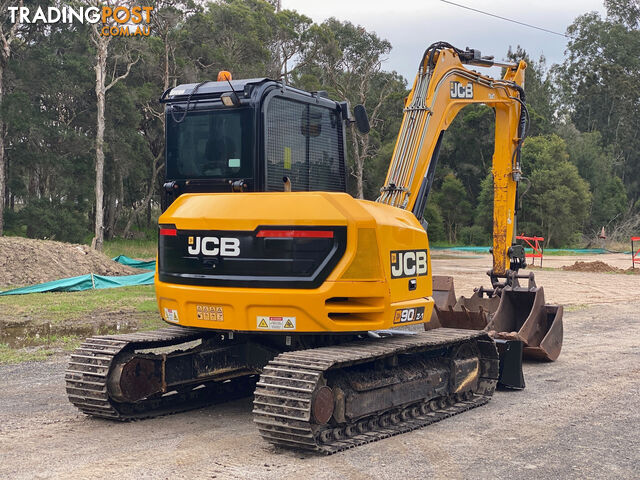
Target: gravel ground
(577, 418)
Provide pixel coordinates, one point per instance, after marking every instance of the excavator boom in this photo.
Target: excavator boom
(443, 87)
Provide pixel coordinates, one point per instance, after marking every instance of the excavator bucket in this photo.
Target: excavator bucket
(444, 296)
(470, 313)
(523, 315)
(517, 314)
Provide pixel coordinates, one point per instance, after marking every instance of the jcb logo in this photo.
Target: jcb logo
(223, 246)
(461, 91)
(408, 263)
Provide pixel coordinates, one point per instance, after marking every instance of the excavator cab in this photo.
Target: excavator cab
(253, 135)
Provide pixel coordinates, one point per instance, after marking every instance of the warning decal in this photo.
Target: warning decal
(171, 315)
(210, 312)
(276, 323)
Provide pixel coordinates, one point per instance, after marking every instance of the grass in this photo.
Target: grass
(19, 355)
(563, 253)
(43, 348)
(47, 324)
(58, 307)
(142, 248)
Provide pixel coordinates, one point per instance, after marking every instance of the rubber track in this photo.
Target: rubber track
(88, 372)
(284, 394)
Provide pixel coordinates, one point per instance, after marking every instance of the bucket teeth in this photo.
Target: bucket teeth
(517, 314)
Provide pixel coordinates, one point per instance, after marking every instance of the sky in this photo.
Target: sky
(412, 25)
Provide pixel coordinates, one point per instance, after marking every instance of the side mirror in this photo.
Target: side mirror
(362, 120)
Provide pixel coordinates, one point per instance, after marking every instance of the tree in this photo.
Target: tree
(554, 200)
(557, 203)
(624, 11)
(103, 85)
(539, 91)
(161, 71)
(8, 35)
(233, 35)
(484, 210)
(597, 164)
(454, 206)
(292, 40)
(349, 60)
(467, 147)
(435, 224)
(48, 116)
(599, 83)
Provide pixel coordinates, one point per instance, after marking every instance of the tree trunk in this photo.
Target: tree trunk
(359, 164)
(3, 181)
(101, 67)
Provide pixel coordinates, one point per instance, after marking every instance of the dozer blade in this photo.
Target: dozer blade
(510, 354)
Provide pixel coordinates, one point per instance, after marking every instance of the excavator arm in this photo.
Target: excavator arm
(516, 316)
(443, 86)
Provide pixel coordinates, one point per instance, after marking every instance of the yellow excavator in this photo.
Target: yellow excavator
(308, 298)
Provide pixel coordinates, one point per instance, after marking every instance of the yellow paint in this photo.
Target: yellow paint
(372, 296)
(470, 378)
(442, 110)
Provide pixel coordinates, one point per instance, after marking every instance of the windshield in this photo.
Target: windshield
(210, 144)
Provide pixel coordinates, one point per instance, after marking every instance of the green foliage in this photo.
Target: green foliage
(347, 62)
(467, 147)
(454, 206)
(599, 83)
(484, 209)
(55, 220)
(474, 235)
(557, 205)
(596, 164)
(435, 228)
(539, 92)
(581, 179)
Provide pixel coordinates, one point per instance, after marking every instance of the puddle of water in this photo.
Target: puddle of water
(18, 336)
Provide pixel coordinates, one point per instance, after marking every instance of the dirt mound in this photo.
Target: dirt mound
(26, 261)
(597, 266)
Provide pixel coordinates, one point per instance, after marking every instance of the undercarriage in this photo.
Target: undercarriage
(346, 392)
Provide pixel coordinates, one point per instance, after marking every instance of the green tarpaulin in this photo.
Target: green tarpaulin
(84, 282)
(132, 262)
(92, 281)
(548, 250)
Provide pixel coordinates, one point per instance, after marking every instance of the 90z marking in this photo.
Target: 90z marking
(408, 263)
(407, 315)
